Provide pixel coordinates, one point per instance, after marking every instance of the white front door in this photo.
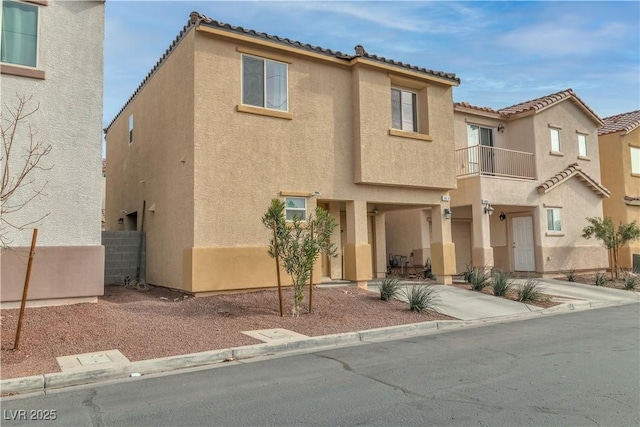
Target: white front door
(523, 254)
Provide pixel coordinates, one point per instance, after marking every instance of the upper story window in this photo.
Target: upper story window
(404, 111)
(582, 145)
(295, 207)
(555, 140)
(130, 129)
(553, 220)
(635, 160)
(19, 33)
(264, 83)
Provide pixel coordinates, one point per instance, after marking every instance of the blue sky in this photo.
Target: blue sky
(504, 52)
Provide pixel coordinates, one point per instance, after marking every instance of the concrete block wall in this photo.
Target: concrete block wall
(121, 256)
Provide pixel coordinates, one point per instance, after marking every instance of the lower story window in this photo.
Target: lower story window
(553, 219)
(295, 207)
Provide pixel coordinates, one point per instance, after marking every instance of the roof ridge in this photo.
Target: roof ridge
(568, 172)
(625, 122)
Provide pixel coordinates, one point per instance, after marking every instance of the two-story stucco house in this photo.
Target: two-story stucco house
(52, 53)
(230, 118)
(528, 176)
(619, 140)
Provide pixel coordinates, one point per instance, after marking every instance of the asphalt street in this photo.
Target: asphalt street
(581, 368)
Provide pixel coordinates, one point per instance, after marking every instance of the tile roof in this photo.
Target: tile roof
(570, 171)
(635, 201)
(625, 122)
(196, 19)
(474, 107)
(543, 102)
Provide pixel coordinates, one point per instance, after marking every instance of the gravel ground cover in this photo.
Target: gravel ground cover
(544, 302)
(163, 322)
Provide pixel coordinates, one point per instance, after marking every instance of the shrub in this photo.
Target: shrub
(501, 283)
(570, 275)
(630, 282)
(530, 291)
(389, 288)
(479, 279)
(600, 279)
(422, 298)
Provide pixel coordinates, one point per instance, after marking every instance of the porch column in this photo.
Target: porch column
(381, 244)
(482, 252)
(443, 253)
(335, 263)
(357, 251)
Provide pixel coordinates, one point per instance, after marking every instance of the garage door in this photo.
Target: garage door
(461, 237)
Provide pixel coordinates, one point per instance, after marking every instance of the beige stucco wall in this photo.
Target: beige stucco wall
(615, 162)
(158, 166)
(69, 260)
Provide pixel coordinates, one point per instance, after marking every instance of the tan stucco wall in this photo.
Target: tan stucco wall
(158, 166)
(58, 272)
(615, 162)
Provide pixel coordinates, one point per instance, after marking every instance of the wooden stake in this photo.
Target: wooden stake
(311, 280)
(25, 289)
(275, 249)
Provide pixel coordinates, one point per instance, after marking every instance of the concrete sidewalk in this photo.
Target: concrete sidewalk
(472, 308)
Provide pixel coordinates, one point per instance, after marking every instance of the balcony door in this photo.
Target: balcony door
(481, 159)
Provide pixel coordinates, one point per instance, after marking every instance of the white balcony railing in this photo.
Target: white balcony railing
(492, 161)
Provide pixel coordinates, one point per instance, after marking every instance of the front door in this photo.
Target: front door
(523, 252)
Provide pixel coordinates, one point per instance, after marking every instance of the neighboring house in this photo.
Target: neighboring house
(230, 118)
(619, 140)
(528, 176)
(52, 51)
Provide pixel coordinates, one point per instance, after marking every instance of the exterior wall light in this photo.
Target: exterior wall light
(447, 213)
(502, 216)
(501, 128)
(488, 209)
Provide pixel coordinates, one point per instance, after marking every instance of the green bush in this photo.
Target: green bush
(479, 279)
(570, 275)
(389, 288)
(600, 279)
(501, 283)
(422, 298)
(530, 291)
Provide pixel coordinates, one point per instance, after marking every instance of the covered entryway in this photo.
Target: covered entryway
(523, 248)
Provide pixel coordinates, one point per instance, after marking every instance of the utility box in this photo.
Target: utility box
(636, 263)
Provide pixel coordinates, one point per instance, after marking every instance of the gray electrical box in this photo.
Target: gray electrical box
(636, 263)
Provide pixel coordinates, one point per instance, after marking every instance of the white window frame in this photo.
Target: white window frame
(265, 94)
(37, 8)
(557, 140)
(131, 129)
(294, 210)
(556, 218)
(583, 151)
(635, 160)
(414, 106)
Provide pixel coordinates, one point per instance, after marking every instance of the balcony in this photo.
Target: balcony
(492, 161)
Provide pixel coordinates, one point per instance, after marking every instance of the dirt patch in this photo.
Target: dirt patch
(163, 322)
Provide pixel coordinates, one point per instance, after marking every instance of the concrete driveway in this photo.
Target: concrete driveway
(467, 305)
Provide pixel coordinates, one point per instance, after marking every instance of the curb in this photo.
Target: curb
(42, 383)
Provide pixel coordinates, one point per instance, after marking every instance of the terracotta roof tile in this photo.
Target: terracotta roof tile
(196, 19)
(573, 170)
(474, 107)
(625, 122)
(546, 101)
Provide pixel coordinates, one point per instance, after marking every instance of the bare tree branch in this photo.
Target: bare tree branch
(22, 154)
